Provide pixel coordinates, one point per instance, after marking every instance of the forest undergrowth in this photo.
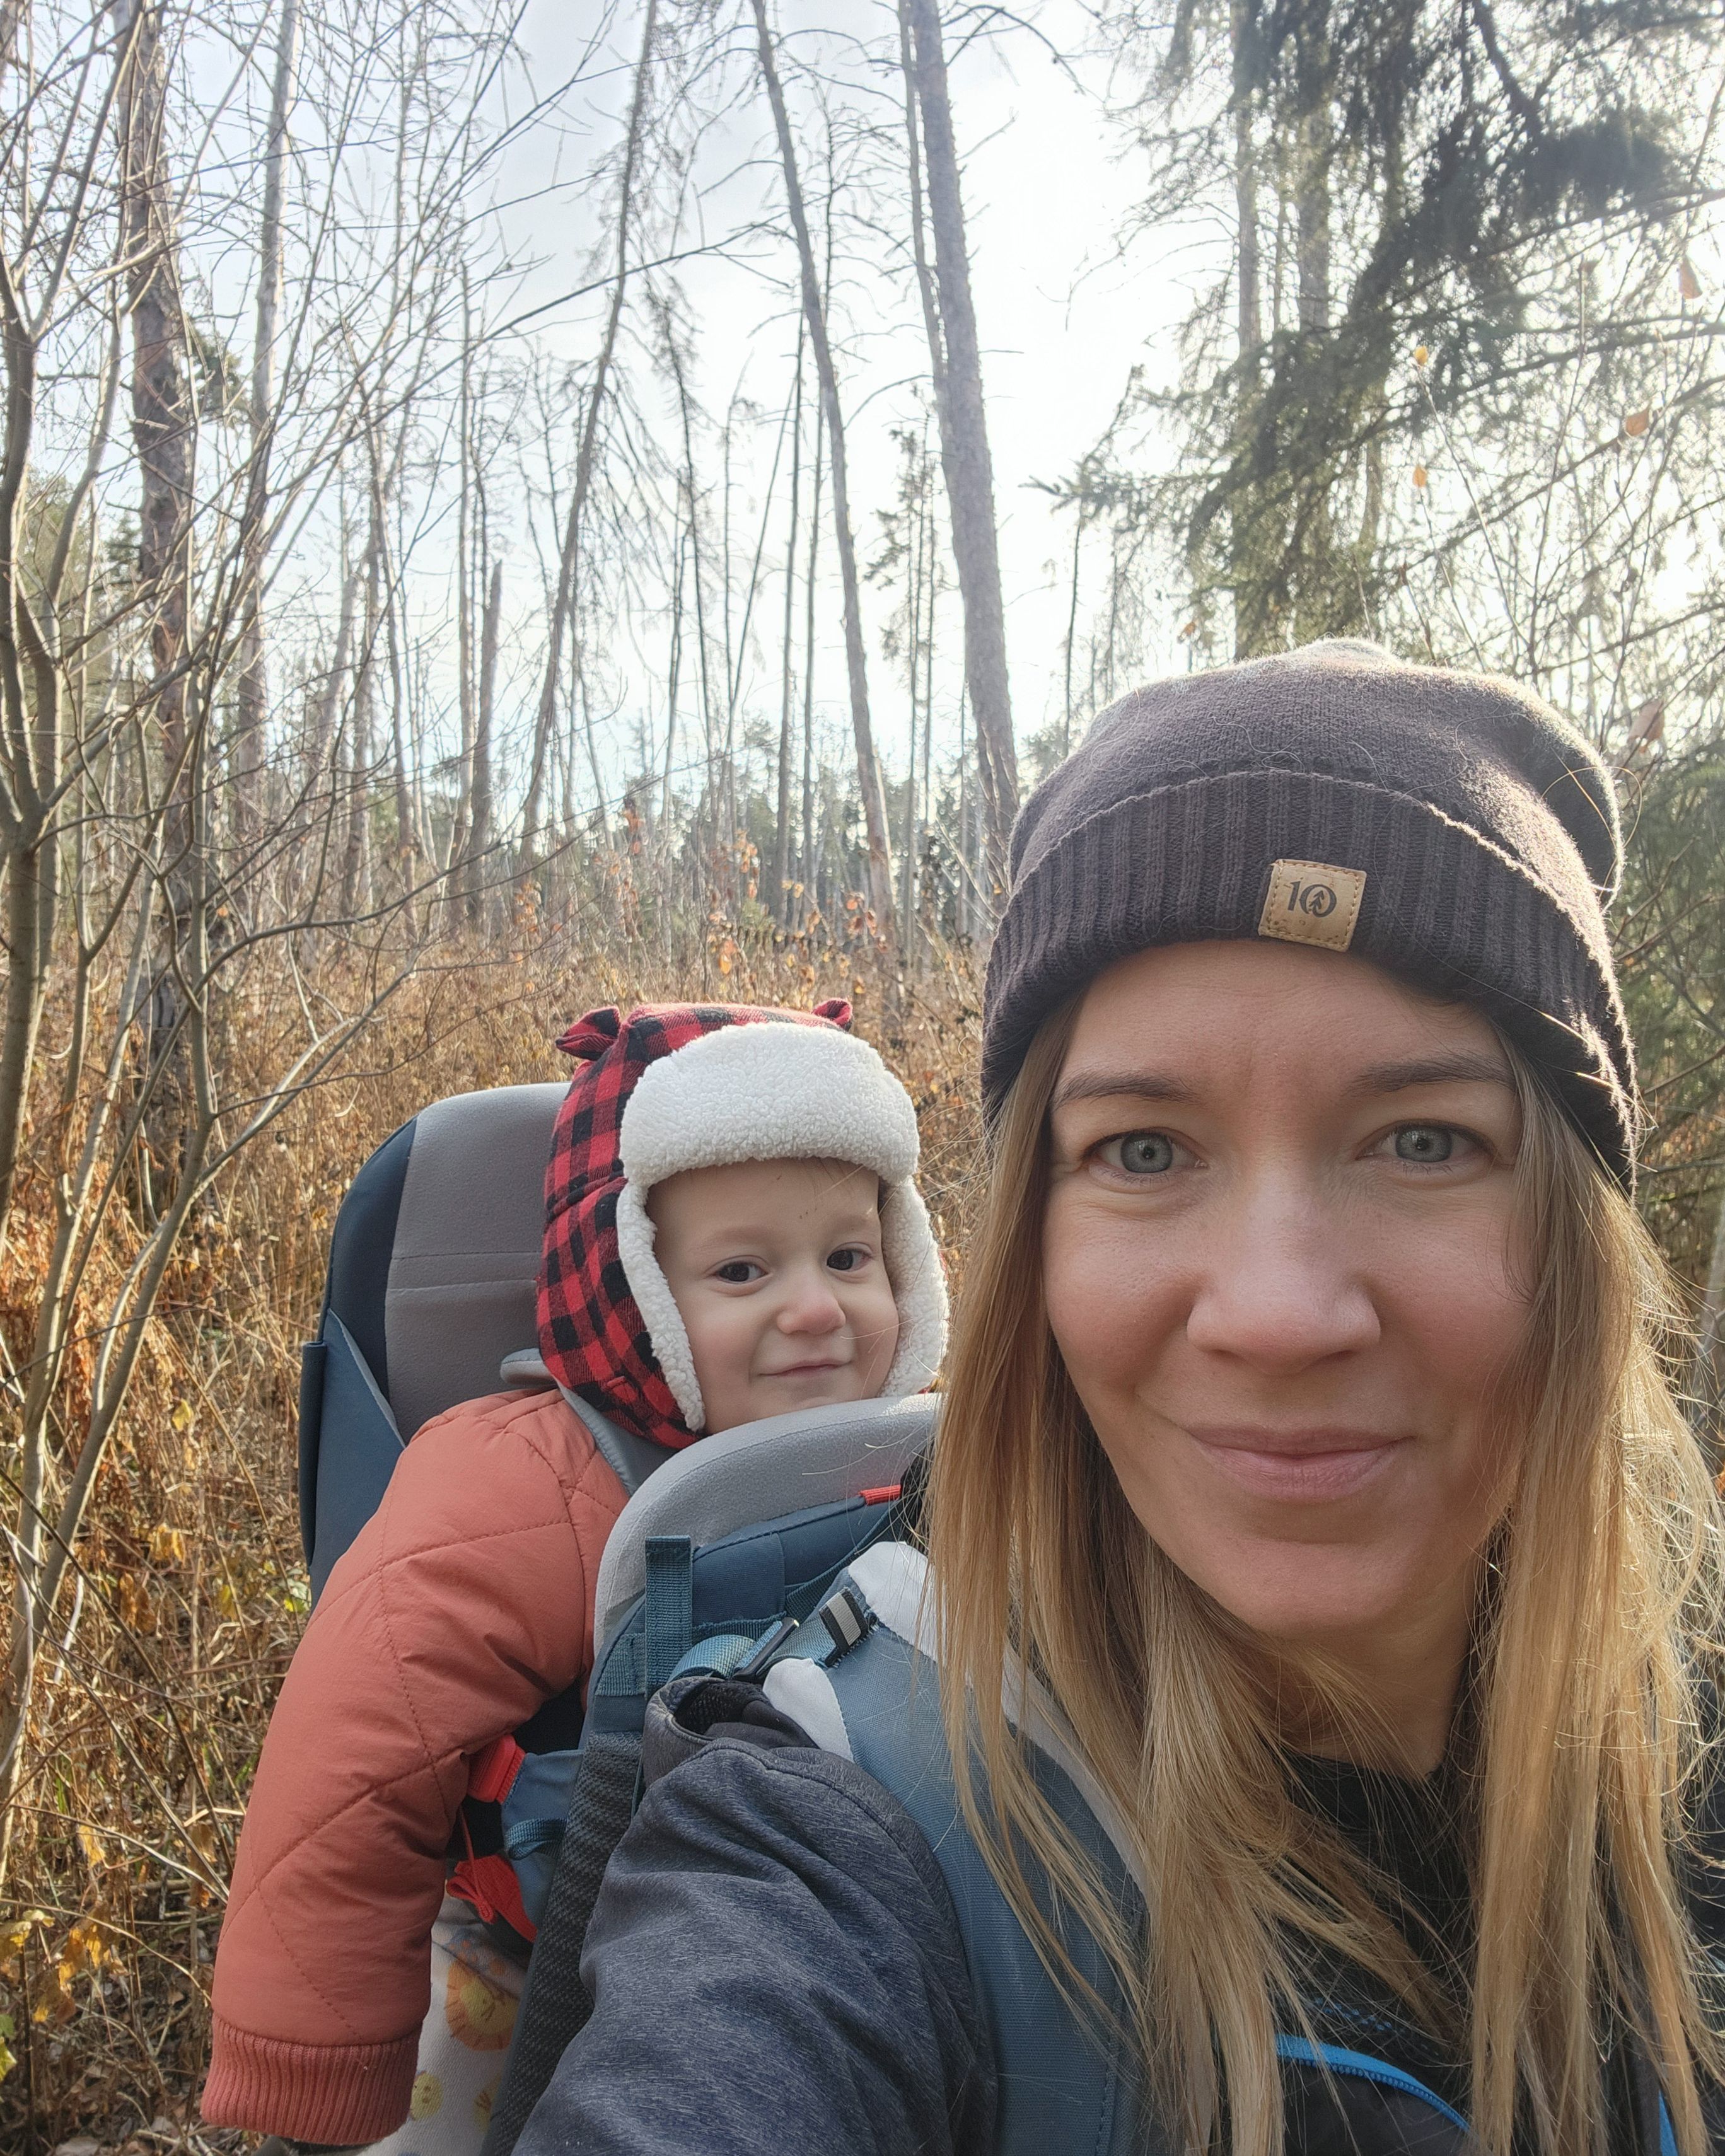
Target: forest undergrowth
(190, 1589)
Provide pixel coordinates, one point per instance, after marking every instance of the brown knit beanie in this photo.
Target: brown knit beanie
(1449, 826)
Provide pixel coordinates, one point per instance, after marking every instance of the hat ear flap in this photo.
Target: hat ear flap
(836, 1010)
(913, 1264)
(651, 1293)
(589, 1037)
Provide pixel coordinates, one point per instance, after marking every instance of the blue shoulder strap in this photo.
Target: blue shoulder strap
(1066, 2078)
(1064, 2086)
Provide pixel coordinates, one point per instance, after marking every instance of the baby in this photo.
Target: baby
(732, 1232)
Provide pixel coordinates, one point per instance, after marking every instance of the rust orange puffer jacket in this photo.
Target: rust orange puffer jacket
(464, 1604)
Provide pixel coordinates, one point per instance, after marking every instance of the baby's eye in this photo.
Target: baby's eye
(738, 1272)
(1139, 1153)
(849, 1260)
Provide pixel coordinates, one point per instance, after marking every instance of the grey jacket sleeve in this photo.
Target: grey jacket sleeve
(776, 1970)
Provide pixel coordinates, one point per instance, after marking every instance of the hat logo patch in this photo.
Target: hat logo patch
(1312, 903)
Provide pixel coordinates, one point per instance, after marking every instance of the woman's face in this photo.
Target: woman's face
(1279, 1267)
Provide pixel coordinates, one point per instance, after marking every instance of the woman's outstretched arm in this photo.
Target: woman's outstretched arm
(774, 1964)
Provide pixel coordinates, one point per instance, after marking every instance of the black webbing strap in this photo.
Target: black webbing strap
(554, 2004)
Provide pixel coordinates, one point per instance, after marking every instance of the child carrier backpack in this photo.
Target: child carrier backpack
(430, 1300)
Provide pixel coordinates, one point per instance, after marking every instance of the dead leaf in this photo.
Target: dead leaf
(1688, 284)
(1421, 354)
(91, 1842)
(134, 1610)
(167, 1545)
(56, 2003)
(201, 1832)
(1637, 423)
(1418, 474)
(13, 1935)
(86, 1947)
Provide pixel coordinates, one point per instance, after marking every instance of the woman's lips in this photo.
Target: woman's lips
(1312, 1466)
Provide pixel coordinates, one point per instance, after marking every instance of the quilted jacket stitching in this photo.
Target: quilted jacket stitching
(430, 1762)
(489, 1426)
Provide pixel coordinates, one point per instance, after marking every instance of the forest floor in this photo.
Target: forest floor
(191, 1587)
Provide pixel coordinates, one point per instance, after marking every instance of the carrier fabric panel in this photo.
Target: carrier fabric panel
(360, 1247)
(463, 1271)
(357, 1453)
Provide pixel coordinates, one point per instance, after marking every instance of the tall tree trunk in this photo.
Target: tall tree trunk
(30, 759)
(479, 844)
(462, 821)
(868, 764)
(1244, 576)
(307, 873)
(964, 447)
(329, 701)
(568, 559)
(357, 869)
(1248, 321)
(164, 430)
(253, 697)
(781, 904)
(805, 852)
(407, 845)
(163, 422)
(1312, 219)
(1315, 544)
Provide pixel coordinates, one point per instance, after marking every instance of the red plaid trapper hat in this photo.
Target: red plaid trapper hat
(591, 1331)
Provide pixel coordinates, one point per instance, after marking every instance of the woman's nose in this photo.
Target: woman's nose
(1281, 1287)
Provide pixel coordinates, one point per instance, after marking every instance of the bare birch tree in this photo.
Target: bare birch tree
(868, 765)
(564, 603)
(956, 365)
(252, 696)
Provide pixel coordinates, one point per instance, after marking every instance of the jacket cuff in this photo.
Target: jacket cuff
(338, 2094)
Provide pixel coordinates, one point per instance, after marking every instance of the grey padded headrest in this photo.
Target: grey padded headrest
(463, 1274)
(760, 1471)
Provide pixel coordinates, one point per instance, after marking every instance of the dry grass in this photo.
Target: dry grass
(190, 1589)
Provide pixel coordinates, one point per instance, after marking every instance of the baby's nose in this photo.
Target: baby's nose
(811, 1307)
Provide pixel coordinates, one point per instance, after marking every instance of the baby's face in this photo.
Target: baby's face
(775, 1269)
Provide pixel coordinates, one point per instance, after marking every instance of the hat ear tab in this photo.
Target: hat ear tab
(589, 1037)
(836, 1010)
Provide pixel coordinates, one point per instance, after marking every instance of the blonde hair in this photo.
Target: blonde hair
(1584, 1724)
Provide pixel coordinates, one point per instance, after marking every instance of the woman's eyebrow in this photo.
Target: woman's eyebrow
(1463, 1065)
(1114, 1084)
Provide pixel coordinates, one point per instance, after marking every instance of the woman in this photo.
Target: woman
(1308, 1445)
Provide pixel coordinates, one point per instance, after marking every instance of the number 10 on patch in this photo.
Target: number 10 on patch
(1312, 903)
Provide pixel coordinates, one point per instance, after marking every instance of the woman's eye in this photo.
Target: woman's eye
(738, 1272)
(1140, 1152)
(1427, 1145)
